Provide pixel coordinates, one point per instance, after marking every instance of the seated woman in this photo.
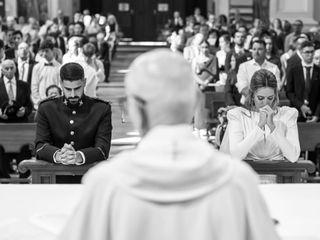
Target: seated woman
(261, 130)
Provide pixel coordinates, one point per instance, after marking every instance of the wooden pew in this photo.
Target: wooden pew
(213, 101)
(46, 173)
(13, 136)
(285, 171)
(309, 137)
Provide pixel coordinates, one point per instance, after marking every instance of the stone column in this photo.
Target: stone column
(293, 10)
(53, 6)
(68, 7)
(11, 8)
(222, 7)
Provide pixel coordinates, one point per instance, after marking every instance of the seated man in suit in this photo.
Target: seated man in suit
(173, 185)
(15, 106)
(45, 73)
(2, 53)
(303, 85)
(15, 101)
(74, 128)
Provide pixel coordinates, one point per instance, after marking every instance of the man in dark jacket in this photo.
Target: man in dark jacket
(303, 85)
(73, 129)
(15, 101)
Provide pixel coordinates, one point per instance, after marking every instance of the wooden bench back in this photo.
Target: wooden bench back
(213, 97)
(213, 101)
(15, 135)
(309, 135)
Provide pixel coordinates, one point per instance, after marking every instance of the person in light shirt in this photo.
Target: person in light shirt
(316, 57)
(261, 130)
(2, 53)
(172, 185)
(93, 68)
(247, 69)
(45, 73)
(192, 51)
(74, 53)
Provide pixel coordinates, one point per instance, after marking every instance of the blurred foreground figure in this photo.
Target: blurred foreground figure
(173, 185)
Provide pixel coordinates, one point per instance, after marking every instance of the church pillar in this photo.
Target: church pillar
(221, 7)
(292, 10)
(11, 8)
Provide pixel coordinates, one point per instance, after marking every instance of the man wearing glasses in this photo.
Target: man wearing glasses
(303, 85)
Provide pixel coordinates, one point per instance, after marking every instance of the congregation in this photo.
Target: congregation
(225, 55)
(172, 178)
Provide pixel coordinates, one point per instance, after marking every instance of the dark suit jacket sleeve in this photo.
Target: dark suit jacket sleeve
(228, 96)
(101, 149)
(43, 142)
(227, 62)
(217, 78)
(317, 112)
(291, 88)
(28, 105)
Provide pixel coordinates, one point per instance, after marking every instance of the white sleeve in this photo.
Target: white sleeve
(288, 141)
(91, 85)
(187, 54)
(239, 144)
(277, 74)
(35, 86)
(242, 78)
(100, 73)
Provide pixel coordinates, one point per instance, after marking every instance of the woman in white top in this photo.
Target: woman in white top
(261, 130)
